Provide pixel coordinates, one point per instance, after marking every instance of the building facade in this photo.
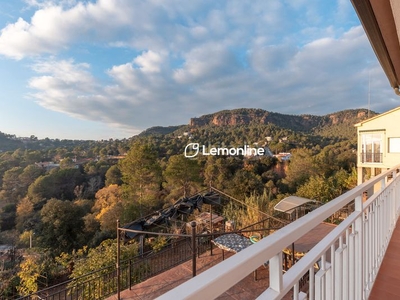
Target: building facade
(378, 144)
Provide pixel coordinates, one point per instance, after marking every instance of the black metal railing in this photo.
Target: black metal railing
(102, 283)
(371, 157)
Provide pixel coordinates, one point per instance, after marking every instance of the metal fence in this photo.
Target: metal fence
(104, 282)
(367, 157)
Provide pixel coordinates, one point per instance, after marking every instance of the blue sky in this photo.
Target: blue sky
(112, 68)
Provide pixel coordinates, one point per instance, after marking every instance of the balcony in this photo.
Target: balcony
(343, 265)
(371, 157)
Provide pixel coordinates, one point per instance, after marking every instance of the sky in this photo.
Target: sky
(109, 69)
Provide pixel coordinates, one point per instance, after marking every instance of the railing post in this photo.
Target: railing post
(193, 224)
(359, 250)
(118, 264)
(130, 274)
(211, 227)
(276, 273)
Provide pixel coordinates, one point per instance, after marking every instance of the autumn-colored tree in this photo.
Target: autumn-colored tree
(30, 271)
(25, 214)
(108, 207)
(35, 270)
(87, 260)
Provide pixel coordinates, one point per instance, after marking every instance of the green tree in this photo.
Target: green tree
(141, 174)
(244, 183)
(67, 163)
(31, 157)
(86, 261)
(61, 225)
(301, 167)
(58, 184)
(113, 176)
(183, 174)
(218, 171)
(12, 189)
(318, 188)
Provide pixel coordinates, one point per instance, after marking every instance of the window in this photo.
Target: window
(372, 147)
(394, 145)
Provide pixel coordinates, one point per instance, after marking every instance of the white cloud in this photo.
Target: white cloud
(193, 57)
(147, 91)
(62, 85)
(149, 62)
(206, 63)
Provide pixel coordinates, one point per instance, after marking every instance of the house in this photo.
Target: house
(378, 144)
(47, 165)
(283, 156)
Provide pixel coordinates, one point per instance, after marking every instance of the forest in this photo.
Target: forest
(60, 199)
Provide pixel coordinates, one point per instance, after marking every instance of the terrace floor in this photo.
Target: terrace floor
(387, 285)
(248, 288)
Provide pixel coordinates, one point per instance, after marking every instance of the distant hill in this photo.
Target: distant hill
(9, 142)
(341, 124)
(304, 123)
(337, 124)
(159, 130)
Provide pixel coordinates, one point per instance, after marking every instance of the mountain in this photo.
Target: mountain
(159, 130)
(338, 124)
(9, 142)
(304, 123)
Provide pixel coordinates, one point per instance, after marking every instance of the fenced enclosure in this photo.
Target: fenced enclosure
(181, 248)
(104, 282)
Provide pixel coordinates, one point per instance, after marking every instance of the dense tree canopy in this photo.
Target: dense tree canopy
(60, 185)
(67, 194)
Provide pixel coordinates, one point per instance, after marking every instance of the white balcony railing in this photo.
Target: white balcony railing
(349, 257)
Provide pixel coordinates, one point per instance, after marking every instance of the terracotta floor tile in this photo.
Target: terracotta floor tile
(387, 283)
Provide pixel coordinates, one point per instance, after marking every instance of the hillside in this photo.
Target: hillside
(160, 130)
(302, 123)
(245, 116)
(8, 142)
(338, 124)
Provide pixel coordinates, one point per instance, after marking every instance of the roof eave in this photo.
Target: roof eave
(369, 21)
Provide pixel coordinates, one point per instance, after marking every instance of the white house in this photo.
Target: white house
(378, 144)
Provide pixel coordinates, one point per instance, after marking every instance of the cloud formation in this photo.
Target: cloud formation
(188, 58)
